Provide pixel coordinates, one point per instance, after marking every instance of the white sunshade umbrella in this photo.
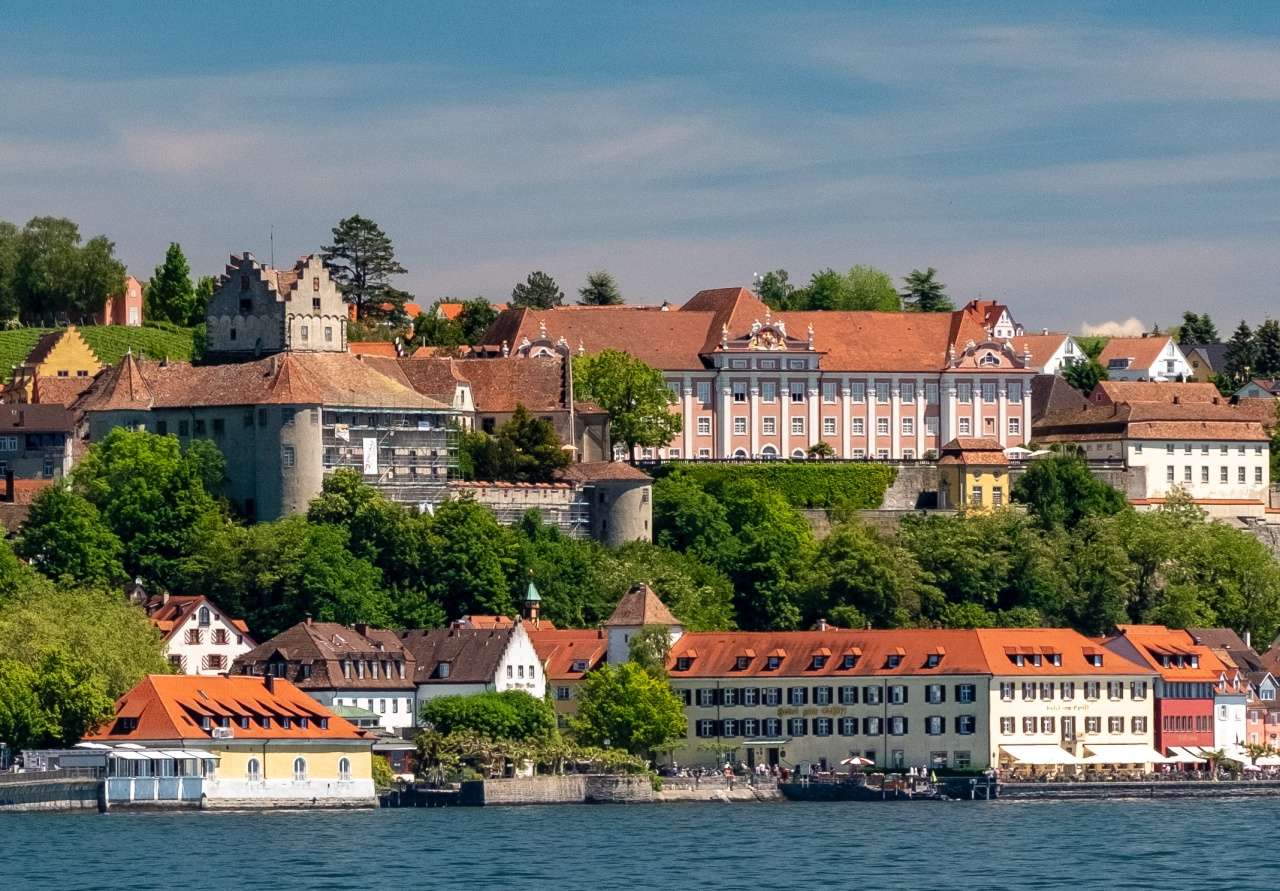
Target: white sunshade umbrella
(858, 759)
(1252, 767)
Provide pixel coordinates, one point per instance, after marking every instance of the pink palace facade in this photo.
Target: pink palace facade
(753, 383)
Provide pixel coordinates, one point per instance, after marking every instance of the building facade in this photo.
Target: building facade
(61, 365)
(199, 638)
(463, 661)
(973, 473)
(124, 308)
(37, 442)
(751, 383)
(1147, 358)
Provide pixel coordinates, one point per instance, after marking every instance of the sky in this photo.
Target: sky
(1091, 165)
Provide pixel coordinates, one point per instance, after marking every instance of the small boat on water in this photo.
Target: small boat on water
(862, 787)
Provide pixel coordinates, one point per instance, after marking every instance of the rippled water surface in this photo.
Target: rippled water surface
(1014, 845)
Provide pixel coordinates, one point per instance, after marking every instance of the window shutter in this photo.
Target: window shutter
(905, 691)
(904, 723)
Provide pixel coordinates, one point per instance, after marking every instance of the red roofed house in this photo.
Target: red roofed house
(748, 382)
(1187, 675)
(1146, 358)
(275, 746)
(198, 637)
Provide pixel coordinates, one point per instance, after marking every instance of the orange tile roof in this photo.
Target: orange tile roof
(170, 615)
(969, 450)
(1070, 645)
(561, 649)
(1149, 642)
(1154, 391)
(1041, 346)
(1152, 420)
(373, 348)
(1142, 351)
(641, 606)
(168, 707)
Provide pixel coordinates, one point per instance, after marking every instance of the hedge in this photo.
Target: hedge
(805, 484)
(109, 342)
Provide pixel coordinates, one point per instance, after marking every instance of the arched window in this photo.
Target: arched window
(769, 452)
(740, 453)
(299, 768)
(344, 768)
(204, 617)
(989, 359)
(253, 770)
(798, 453)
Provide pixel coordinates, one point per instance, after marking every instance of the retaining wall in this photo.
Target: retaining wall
(51, 795)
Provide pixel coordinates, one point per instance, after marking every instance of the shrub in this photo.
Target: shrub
(803, 484)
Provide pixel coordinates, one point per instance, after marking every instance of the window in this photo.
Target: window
(704, 426)
(299, 769)
(908, 426)
(797, 426)
(750, 726)
(1068, 690)
(1137, 689)
(1092, 689)
(964, 392)
(1029, 690)
(1015, 391)
(739, 391)
(859, 426)
(772, 695)
(882, 391)
(739, 425)
(769, 391)
(797, 726)
(828, 391)
(770, 425)
(897, 726)
(935, 693)
(907, 391)
(797, 391)
(706, 728)
(975, 497)
(750, 696)
(828, 426)
(1015, 426)
(857, 391)
(287, 456)
(882, 426)
(737, 363)
(1046, 690)
(1029, 725)
(872, 695)
(935, 725)
(729, 696)
(1115, 690)
(1115, 725)
(1007, 726)
(1257, 474)
(897, 694)
(1169, 472)
(306, 332)
(848, 726)
(704, 392)
(729, 728)
(966, 725)
(871, 726)
(848, 695)
(253, 770)
(772, 726)
(966, 692)
(1006, 691)
(931, 394)
(1240, 475)
(966, 426)
(997, 495)
(821, 726)
(1093, 725)
(988, 391)
(1139, 724)
(1186, 473)
(797, 696)
(706, 697)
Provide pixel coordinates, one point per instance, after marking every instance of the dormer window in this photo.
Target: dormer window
(893, 660)
(581, 665)
(206, 723)
(742, 663)
(1017, 659)
(819, 661)
(1055, 659)
(989, 359)
(285, 723)
(848, 661)
(1195, 661)
(264, 722)
(1095, 659)
(1036, 660)
(932, 660)
(772, 662)
(683, 663)
(442, 669)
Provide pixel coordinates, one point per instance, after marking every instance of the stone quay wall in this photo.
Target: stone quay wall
(52, 795)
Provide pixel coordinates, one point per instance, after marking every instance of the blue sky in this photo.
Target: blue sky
(1088, 165)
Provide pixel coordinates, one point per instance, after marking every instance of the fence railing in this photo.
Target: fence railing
(64, 773)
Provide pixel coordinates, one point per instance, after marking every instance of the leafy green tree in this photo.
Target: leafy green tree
(383, 778)
(775, 289)
(856, 567)
(967, 615)
(650, 647)
(511, 714)
(566, 571)
(205, 286)
(17, 579)
(65, 536)
(170, 295)
(826, 290)
(1059, 491)
(699, 594)
(869, 288)
(475, 318)
(686, 518)
(1267, 349)
(1084, 376)
(924, 293)
(600, 290)
(53, 703)
(1196, 329)
(55, 276)
(1240, 360)
(538, 291)
(525, 449)
(469, 560)
(434, 330)
(633, 393)
(151, 493)
(10, 246)
(626, 707)
(1099, 585)
(362, 260)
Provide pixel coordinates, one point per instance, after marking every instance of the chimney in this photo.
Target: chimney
(821, 626)
(269, 681)
(1248, 639)
(362, 629)
(310, 621)
(8, 487)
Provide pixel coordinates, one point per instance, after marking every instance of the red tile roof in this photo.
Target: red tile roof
(1152, 420)
(1150, 642)
(640, 606)
(315, 653)
(591, 471)
(1154, 391)
(969, 450)
(170, 706)
(169, 615)
(562, 649)
(1041, 346)
(1142, 351)
(373, 348)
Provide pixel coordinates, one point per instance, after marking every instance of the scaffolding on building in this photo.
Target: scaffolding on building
(410, 456)
(563, 505)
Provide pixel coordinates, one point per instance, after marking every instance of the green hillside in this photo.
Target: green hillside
(109, 341)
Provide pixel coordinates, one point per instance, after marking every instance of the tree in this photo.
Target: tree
(170, 294)
(362, 261)
(53, 703)
(538, 291)
(1196, 329)
(474, 319)
(55, 276)
(1060, 492)
(820, 449)
(856, 567)
(871, 289)
(524, 450)
(1267, 349)
(634, 394)
(1084, 376)
(826, 290)
(151, 493)
(10, 245)
(600, 290)
(511, 714)
(626, 707)
(1240, 360)
(924, 293)
(700, 595)
(775, 290)
(686, 518)
(65, 536)
(469, 560)
(435, 330)
(205, 286)
(649, 649)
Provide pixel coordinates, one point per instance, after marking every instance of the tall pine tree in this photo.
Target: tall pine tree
(1266, 344)
(600, 290)
(1241, 359)
(362, 260)
(170, 295)
(924, 293)
(538, 291)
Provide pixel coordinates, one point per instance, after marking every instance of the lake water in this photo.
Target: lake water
(1014, 845)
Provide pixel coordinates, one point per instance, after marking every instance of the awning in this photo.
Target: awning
(1123, 753)
(1041, 754)
(201, 754)
(1183, 755)
(126, 755)
(765, 742)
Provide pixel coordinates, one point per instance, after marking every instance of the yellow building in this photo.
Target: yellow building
(973, 473)
(275, 746)
(61, 356)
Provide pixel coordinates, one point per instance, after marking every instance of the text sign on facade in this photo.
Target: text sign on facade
(370, 456)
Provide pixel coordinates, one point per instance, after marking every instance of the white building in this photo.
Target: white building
(639, 608)
(198, 637)
(463, 661)
(1049, 353)
(1147, 358)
